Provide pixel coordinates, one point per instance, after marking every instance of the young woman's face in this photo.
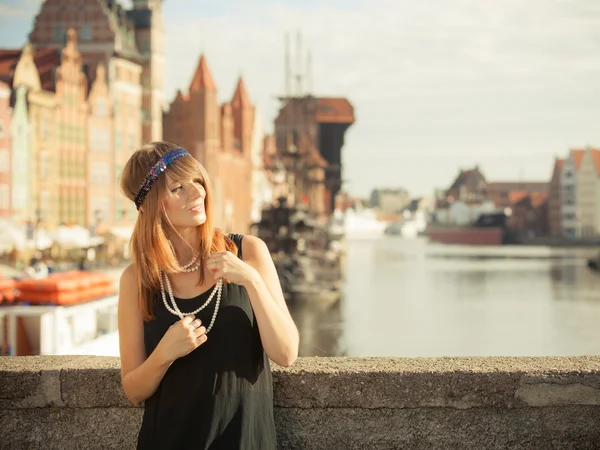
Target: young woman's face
(184, 202)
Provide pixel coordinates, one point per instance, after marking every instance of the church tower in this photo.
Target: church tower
(204, 111)
(243, 118)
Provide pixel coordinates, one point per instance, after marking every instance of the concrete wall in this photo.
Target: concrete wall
(73, 402)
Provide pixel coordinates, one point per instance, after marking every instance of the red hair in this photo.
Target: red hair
(151, 250)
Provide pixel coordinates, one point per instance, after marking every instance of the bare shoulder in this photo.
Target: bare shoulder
(254, 248)
(128, 282)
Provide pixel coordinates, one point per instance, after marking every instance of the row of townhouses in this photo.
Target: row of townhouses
(567, 206)
(471, 194)
(86, 91)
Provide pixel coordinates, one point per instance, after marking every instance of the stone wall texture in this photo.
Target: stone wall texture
(76, 402)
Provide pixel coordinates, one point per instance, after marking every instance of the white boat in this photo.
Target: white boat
(409, 228)
(363, 224)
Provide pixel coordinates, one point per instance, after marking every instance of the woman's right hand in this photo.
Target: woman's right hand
(181, 338)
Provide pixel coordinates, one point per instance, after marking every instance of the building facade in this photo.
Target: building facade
(102, 188)
(309, 136)
(5, 149)
(71, 113)
(107, 31)
(126, 100)
(587, 193)
(571, 211)
(221, 138)
(555, 199)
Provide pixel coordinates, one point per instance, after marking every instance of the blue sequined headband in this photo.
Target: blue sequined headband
(156, 170)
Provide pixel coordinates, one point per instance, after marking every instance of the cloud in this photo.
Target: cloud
(456, 80)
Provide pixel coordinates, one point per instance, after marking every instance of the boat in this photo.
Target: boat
(363, 224)
(408, 228)
(488, 229)
(72, 312)
(308, 254)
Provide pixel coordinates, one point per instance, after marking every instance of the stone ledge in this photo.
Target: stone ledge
(327, 429)
(72, 402)
(366, 383)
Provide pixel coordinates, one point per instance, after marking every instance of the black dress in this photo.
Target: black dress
(220, 396)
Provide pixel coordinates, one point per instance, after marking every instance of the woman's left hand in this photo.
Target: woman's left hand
(228, 266)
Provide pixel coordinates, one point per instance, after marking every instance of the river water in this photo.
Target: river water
(417, 299)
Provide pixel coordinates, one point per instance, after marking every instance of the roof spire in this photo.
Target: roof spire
(203, 80)
(240, 97)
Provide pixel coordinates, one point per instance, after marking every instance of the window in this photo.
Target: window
(100, 174)
(118, 140)
(86, 32)
(59, 34)
(45, 203)
(4, 196)
(100, 107)
(94, 144)
(104, 145)
(145, 44)
(19, 198)
(4, 160)
(119, 211)
(44, 129)
(44, 165)
(118, 169)
(100, 209)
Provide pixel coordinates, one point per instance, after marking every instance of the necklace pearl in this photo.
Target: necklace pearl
(218, 289)
(193, 262)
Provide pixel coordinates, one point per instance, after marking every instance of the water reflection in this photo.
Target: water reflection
(412, 298)
(320, 329)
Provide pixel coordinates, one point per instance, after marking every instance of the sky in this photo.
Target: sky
(437, 85)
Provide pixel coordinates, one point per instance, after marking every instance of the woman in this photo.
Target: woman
(200, 314)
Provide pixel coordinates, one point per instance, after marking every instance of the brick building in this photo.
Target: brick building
(221, 138)
(309, 136)
(120, 39)
(529, 215)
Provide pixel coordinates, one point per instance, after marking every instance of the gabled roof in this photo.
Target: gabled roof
(596, 159)
(240, 97)
(559, 163)
(577, 157)
(334, 110)
(46, 61)
(529, 186)
(8, 62)
(467, 177)
(202, 80)
(535, 199)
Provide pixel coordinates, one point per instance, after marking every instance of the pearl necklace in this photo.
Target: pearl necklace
(193, 265)
(218, 289)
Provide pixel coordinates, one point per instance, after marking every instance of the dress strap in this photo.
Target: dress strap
(237, 239)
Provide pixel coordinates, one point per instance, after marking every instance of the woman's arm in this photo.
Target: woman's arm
(278, 331)
(140, 376)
